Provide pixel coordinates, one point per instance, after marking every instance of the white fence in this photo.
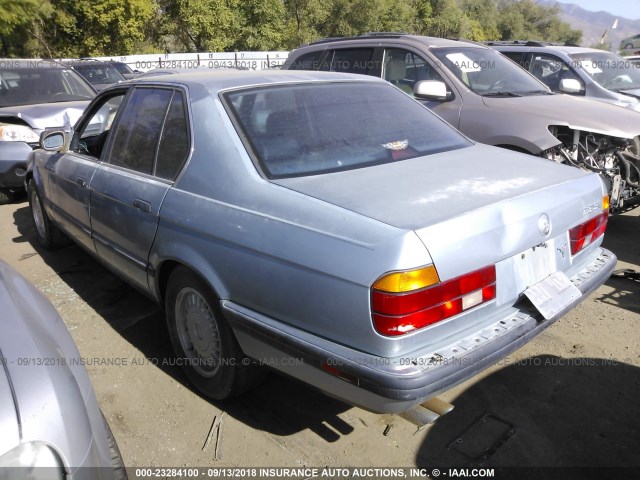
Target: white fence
(248, 60)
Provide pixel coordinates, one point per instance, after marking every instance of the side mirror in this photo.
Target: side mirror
(52, 140)
(570, 85)
(430, 90)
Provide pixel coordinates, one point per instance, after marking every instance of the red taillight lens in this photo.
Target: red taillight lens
(586, 233)
(400, 313)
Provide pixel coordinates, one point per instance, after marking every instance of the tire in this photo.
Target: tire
(628, 46)
(119, 470)
(202, 340)
(6, 196)
(47, 234)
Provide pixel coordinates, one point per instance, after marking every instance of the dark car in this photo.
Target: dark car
(98, 74)
(34, 95)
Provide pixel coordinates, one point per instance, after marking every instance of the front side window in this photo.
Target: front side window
(91, 135)
(403, 69)
(551, 70)
(313, 129)
(138, 129)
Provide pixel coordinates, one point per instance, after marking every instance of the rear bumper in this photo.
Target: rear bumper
(391, 385)
(13, 164)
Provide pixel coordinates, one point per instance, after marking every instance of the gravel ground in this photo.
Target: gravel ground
(568, 398)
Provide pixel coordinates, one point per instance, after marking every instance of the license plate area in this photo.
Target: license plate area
(553, 294)
(534, 265)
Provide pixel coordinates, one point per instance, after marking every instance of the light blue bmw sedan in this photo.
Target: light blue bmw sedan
(323, 224)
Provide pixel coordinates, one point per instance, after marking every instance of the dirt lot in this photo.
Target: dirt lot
(573, 401)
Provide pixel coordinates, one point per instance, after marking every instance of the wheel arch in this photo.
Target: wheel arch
(166, 268)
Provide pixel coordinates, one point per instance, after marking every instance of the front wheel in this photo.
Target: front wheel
(204, 344)
(47, 234)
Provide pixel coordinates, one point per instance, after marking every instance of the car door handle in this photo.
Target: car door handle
(142, 205)
(82, 182)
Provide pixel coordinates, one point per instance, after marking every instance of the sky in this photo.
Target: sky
(623, 8)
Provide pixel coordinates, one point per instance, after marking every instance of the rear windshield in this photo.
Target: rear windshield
(28, 86)
(309, 129)
(99, 74)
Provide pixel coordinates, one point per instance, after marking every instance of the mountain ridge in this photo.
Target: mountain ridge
(593, 24)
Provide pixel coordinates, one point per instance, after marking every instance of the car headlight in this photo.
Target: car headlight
(31, 461)
(17, 133)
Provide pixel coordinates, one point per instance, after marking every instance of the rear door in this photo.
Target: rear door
(148, 147)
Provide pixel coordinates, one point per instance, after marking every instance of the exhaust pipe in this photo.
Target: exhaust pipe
(427, 413)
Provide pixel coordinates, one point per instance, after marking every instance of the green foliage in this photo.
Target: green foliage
(118, 27)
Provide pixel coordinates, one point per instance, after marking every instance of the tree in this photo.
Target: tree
(355, 17)
(203, 25)
(526, 20)
(263, 24)
(304, 20)
(16, 17)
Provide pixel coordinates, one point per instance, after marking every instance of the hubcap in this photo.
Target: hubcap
(198, 332)
(38, 216)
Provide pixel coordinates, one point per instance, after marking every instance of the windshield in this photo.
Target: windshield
(99, 74)
(319, 128)
(487, 72)
(609, 70)
(29, 86)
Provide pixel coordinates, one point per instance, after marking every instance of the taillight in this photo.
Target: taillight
(401, 307)
(589, 231)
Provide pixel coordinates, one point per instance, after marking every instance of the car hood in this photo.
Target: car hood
(634, 92)
(422, 191)
(574, 112)
(45, 115)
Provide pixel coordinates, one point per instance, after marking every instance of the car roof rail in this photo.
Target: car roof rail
(361, 37)
(528, 43)
(384, 34)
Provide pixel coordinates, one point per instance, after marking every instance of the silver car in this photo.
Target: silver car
(50, 423)
(34, 95)
(322, 224)
(587, 72)
(493, 101)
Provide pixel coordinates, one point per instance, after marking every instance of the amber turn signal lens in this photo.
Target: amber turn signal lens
(398, 282)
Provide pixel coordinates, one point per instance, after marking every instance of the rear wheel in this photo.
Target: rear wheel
(6, 196)
(202, 340)
(628, 46)
(47, 234)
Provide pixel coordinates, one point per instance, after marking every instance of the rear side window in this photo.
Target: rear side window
(139, 128)
(312, 129)
(356, 60)
(174, 144)
(310, 61)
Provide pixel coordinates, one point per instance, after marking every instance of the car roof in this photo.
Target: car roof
(530, 47)
(390, 37)
(216, 80)
(87, 63)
